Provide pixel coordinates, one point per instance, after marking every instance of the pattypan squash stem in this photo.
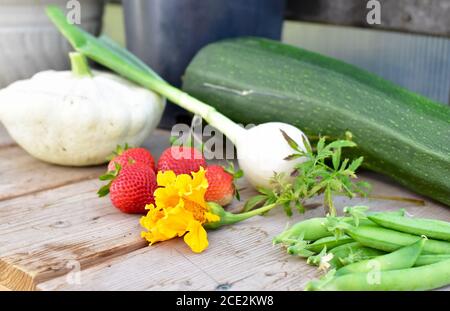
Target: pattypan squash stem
(227, 218)
(79, 65)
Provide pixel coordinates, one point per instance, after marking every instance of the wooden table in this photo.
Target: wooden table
(55, 234)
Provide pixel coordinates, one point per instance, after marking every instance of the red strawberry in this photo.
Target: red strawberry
(131, 187)
(121, 160)
(125, 156)
(181, 160)
(221, 187)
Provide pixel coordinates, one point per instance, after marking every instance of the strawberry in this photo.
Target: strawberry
(121, 160)
(131, 187)
(125, 155)
(181, 160)
(221, 188)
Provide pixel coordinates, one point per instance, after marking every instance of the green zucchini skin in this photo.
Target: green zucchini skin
(400, 134)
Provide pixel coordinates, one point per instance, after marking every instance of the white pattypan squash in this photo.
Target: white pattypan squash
(78, 117)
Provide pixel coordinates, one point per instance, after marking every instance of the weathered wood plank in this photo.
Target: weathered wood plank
(44, 234)
(21, 174)
(424, 17)
(41, 233)
(240, 257)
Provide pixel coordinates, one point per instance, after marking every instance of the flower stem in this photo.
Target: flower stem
(242, 216)
(227, 218)
(79, 65)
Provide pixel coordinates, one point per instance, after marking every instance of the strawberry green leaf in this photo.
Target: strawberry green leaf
(173, 140)
(111, 175)
(238, 174)
(230, 169)
(107, 176)
(119, 150)
(237, 194)
(103, 191)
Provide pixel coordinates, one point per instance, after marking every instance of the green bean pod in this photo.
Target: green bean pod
(431, 228)
(423, 260)
(309, 229)
(345, 254)
(419, 278)
(390, 240)
(400, 212)
(329, 242)
(316, 228)
(402, 258)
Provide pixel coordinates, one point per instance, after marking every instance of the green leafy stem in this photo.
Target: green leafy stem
(322, 171)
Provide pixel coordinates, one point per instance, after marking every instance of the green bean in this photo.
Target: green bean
(402, 258)
(352, 252)
(310, 229)
(419, 278)
(430, 259)
(390, 240)
(432, 228)
(345, 254)
(316, 228)
(305, 249)
(400, 212)
(329, 242)
(338, 252)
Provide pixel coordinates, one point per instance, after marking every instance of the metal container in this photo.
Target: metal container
(166, 34)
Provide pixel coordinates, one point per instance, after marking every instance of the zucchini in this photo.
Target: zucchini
(400, 134)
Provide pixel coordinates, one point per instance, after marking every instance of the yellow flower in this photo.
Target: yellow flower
(180, 210)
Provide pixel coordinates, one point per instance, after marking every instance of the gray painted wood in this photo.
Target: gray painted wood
(415, 16)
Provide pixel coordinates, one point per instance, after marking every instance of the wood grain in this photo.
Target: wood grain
(58, 225)
(21, 174)
(240, 257)
(41, 234)
(50, 215)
